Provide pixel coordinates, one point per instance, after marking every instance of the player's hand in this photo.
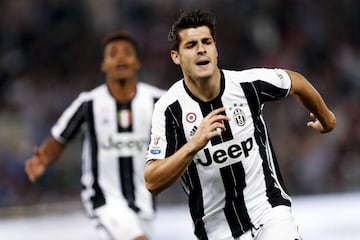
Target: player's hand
(318, 126)
(35, 166)
(212, 125)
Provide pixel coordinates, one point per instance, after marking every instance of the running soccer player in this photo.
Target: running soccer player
(208, 130)
(115, 119)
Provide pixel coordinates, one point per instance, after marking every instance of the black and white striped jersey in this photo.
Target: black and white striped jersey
(235, 178)
(115, 140)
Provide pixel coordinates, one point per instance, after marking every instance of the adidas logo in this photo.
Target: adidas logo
(193, 131)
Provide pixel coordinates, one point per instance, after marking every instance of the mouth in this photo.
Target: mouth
(203, 63)
(122, 67)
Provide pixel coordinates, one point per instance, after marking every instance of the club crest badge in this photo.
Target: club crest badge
(239, 116)
(124, 118)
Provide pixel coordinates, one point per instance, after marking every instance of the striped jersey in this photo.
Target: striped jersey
(235, 178)
(115, 138)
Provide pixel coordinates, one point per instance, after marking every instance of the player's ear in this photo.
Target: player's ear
(138, 64)
(175, 57)
(103, 67)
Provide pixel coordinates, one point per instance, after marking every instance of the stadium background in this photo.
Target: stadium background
(50, 51)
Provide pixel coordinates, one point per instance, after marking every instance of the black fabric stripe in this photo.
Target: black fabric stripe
(235, 210)
(126, 170)
(269, 92)
(190, 180)
(185, 180)
(253, 98)
(120, 107)
(153, 198)
(196, 205)
(73, 125)
(154, 202)
(174, 128)
(277, 169)
(155, 99)
(207, 107)
(98, 199)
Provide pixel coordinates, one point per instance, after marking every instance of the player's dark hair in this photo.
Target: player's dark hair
(122, 36)
(193, 19)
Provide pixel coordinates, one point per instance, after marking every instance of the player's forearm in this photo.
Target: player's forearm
(51, 150)
(312, 100)
(160, 174)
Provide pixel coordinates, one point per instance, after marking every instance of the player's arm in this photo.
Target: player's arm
(160, 174)
(323, 120)
(43, 156)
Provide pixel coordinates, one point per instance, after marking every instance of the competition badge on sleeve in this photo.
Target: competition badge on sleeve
(155, 145)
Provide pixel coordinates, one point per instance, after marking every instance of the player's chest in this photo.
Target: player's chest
(112, 117)
(237, 109)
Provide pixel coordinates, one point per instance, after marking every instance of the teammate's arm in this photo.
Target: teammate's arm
(323, 120)
(43, 156)
(160, 174)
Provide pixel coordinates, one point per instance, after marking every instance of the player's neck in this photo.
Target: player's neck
(204, 89)
(122, 90)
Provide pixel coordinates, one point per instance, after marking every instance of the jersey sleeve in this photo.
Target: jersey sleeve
(68, 125)
(272, 84)
(282, 80)
(158, 143)
(159, 93)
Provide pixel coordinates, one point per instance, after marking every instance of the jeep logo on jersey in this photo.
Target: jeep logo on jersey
(221, 156)
(239, 116)
(121, 145)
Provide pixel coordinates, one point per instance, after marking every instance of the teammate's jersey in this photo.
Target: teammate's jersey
(235, 178)
(115, 140)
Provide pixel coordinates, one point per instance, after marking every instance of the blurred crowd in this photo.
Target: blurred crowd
(50, 51)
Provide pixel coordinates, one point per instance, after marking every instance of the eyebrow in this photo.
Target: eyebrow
(190, 42)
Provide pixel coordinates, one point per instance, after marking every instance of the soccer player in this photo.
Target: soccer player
(208, 130)
(115, 120)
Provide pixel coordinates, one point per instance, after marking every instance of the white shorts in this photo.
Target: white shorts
(277, 224)
(119, 222)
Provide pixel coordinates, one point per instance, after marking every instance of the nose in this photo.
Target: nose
(120, 56)
(201, 48)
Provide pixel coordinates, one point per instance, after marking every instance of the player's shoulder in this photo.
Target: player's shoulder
(174, 93)
(98, 91)
(144, 87)
(252, 74)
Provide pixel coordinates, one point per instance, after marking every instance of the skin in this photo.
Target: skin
(197, 57)
(120, 65)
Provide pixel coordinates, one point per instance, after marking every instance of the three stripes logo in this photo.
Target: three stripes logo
(193, 131)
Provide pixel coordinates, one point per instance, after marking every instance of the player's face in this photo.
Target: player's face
(120, 61)
(197, 54)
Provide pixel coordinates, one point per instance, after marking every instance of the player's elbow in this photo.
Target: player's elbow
(152, 188)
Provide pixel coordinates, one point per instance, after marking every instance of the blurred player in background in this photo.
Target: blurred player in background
(209, 130)
(115, 120)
